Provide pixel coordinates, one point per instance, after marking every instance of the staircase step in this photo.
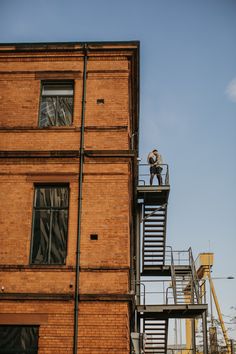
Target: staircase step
(153, 227)
(152, 263)
(154, 243)
(154, 207)
(150, 215)
(153, 256)
(153, 344)
(154, 238)
(156, 336)
(155, 250)
(158, 239)
(157, 233)
(152, 223)
(156, 215)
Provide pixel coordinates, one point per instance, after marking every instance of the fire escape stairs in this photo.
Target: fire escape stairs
(182, 297)
(185, 283)
(156, 333)
(154, 236)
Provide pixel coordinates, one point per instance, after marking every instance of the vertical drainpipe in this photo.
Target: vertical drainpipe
(81, 163)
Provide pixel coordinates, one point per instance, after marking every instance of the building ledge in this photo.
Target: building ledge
(36, 296)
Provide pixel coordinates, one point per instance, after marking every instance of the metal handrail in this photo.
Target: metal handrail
(162, 207)
(193, 290)
(202, 294)
(194, 275)
(173, 278)
(167, 292)
(165, 174)
(144, 292)
(184, 258)
(180, 257)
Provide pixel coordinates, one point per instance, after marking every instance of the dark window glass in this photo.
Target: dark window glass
(50, 225)
(56, 107)
(19, 339)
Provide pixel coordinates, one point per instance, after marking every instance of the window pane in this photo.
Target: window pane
(50, 225)
(18, 339)
(58, 89)
(59, 237)
(56, 104)
(41, 232)
(42, 197)
(64, 111)
(48, 111)
(59, 197)
(51, 197)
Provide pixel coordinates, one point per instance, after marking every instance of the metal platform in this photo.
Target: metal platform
(154, 194)
(171, 311)
(162, 271)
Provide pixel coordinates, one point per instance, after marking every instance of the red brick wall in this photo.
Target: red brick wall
(104, 327)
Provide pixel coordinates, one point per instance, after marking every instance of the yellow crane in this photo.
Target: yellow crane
(204, 263)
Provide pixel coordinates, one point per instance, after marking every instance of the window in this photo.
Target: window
(50, 224)
(19, 339)
(56, 108)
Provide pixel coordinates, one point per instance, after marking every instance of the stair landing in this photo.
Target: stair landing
(154, 194)
(171, 311)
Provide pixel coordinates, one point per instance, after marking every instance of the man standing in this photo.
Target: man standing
(155, 160)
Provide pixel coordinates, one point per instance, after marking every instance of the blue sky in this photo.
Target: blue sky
(188, 101)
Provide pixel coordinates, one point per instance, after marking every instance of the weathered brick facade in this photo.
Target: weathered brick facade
(44, 295)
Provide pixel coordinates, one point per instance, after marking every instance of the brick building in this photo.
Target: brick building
(69, 141)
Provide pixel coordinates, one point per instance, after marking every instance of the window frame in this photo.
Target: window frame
(34, 208)
(56, 82)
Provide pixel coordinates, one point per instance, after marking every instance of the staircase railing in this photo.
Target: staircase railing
(202, 289)
(194, 276)
(192, 290)
(144, 174)
(180, 257)
(173, 277)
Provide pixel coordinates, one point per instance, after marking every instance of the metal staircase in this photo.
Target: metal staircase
(154, 236)
(156, 333)
(179, 295)
(185, 284)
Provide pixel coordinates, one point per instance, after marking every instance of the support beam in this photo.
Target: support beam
(204, 330)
